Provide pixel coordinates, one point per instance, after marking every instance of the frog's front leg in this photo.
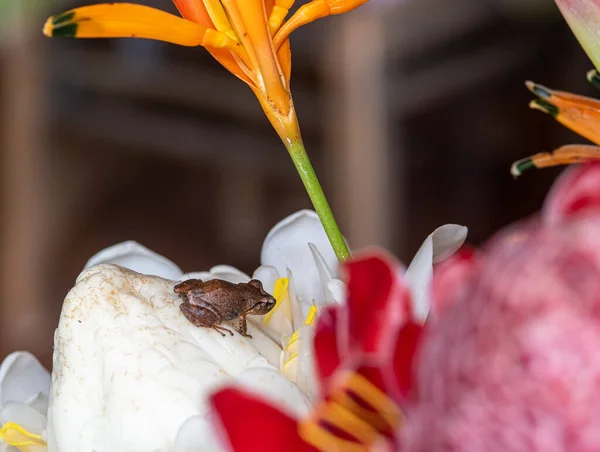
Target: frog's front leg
(243, 326)
(200, 316)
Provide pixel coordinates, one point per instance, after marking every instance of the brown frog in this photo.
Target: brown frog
(208, 303)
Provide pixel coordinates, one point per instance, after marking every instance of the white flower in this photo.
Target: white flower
(24, 389)
(132, 374)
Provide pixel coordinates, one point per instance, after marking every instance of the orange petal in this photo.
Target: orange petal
(195, 11)
(278, 13)
(125, 20)
(250, 16)
(578, 113)
(565, 155)
(312, 11)
(284, 55)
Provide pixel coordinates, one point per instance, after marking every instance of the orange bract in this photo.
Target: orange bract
(248, 37)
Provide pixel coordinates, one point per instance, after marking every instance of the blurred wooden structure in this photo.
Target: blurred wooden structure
(109, 140)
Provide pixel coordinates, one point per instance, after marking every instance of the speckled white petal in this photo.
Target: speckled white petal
(337, 289)
(274, 387)
(286, 246)
(439, 245)
(24, 415)
(197, 435)
(129, 369)
(138, 258)
(22, 378)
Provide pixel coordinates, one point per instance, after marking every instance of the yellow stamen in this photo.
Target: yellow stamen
(279, 293)
(290, 359)
(310, 319)
(280, 10)
(15, 435)
(219, 18)
(323, 440)
(366, 390)
(348, 416)
(311, 316)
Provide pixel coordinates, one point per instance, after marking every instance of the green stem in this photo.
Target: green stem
(313, 187)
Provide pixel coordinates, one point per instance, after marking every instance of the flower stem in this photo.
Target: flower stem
(315, 192)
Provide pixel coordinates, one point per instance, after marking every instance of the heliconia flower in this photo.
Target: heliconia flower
(24, 389)
(363, 353)
(250, 38)
(511, 359)
(578, 113)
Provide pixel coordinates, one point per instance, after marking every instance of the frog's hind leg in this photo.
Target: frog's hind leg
(220, 329)
(201, 316)
(243, 326)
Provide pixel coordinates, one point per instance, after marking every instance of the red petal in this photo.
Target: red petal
(576, 191)
(377, 306)
(250, 424)
(404, 359)
(325, 344)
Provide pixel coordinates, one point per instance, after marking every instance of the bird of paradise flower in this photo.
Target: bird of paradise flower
(250, 38)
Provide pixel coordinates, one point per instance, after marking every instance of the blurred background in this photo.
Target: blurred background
(412, 112)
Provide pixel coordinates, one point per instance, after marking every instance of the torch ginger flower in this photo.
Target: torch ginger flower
(250, 38)
(511, 360)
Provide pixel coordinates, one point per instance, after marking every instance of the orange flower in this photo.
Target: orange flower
(578, 113)
(248, 37)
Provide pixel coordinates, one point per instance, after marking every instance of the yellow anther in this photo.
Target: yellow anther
(322, 439)
(312, 315)
(293, 339)
(367, 391)
(15, 435)
(279, 293)
(290, 359)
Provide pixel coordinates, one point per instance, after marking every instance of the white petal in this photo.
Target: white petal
(337, 289)
(138, 258)
(439, 245)
(39, 403)
(325, 276)
(447, 239)
(22, 378)
(22, 414)
(274, 387)
(268, 275)
(197, 435)
(286, 246)
(129, 369)
(224, 272)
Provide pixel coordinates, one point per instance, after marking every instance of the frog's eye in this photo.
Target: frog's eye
(255, 283)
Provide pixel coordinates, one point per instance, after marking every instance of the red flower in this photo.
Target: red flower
(510, 360)
(363, 355)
